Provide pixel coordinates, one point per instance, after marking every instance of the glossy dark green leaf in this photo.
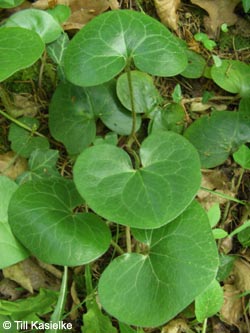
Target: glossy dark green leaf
(42, 216)
(103, 48)
(217, 136)
(233, 76)
(74, 110)
(148, 197)
(107, 106)
(196, 65)
(20, 48)
(24, 142)
(71, 118)
(149, 289)
(145, 95)
(11, 250)
(37, 20)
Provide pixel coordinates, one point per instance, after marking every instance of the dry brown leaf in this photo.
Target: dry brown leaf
(9, 289)
(82, 11)
(231, 311)
(74, 313)
(214, 180)
(176, 326)
(166, 10)
(220, 11)
(31, 276)
(241, 272)
(11, 165)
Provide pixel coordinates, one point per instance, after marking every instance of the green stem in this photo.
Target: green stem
(117, 247)
(204, 326)
(222, 195)
(128, 240)
(59, 309)
(131, 95)
(19, 123)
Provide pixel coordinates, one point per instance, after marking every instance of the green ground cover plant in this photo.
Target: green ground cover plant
(140, 177)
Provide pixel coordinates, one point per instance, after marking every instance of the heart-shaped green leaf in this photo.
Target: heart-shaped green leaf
(103, 48)
(71, 118)
(73, 111)
(233, 76)
(42, 217)
(151, 288)
(217, 136)
(145, 95)
(37, 20)
(11, 250)
(145, 198)
(20, 48)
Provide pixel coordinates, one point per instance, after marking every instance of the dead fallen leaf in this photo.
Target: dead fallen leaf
(12, 165)
(237, 284)
(176, 326)
(241, 272)
(219, 11)
(214, 180)
(232, 310)
(75, 307)
(31, 276)
(167, 12)
(82, 11)
(9, 289)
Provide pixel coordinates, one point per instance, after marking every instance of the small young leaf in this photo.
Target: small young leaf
(209, 302)
(110, 41)
(11, 250)
(242, 157)
(233, 76)
(219, 233)
(37, 20)
(214, 215)
(24, 142)
(182, 256)
(20, 48)
(226, 265)
(94, 321)
(177, 94)
(195, 67)
(171, 118)
(42, 217)
(246, 5)
(146, 96)
(142, 198)
(244, 236)
(42, 164)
